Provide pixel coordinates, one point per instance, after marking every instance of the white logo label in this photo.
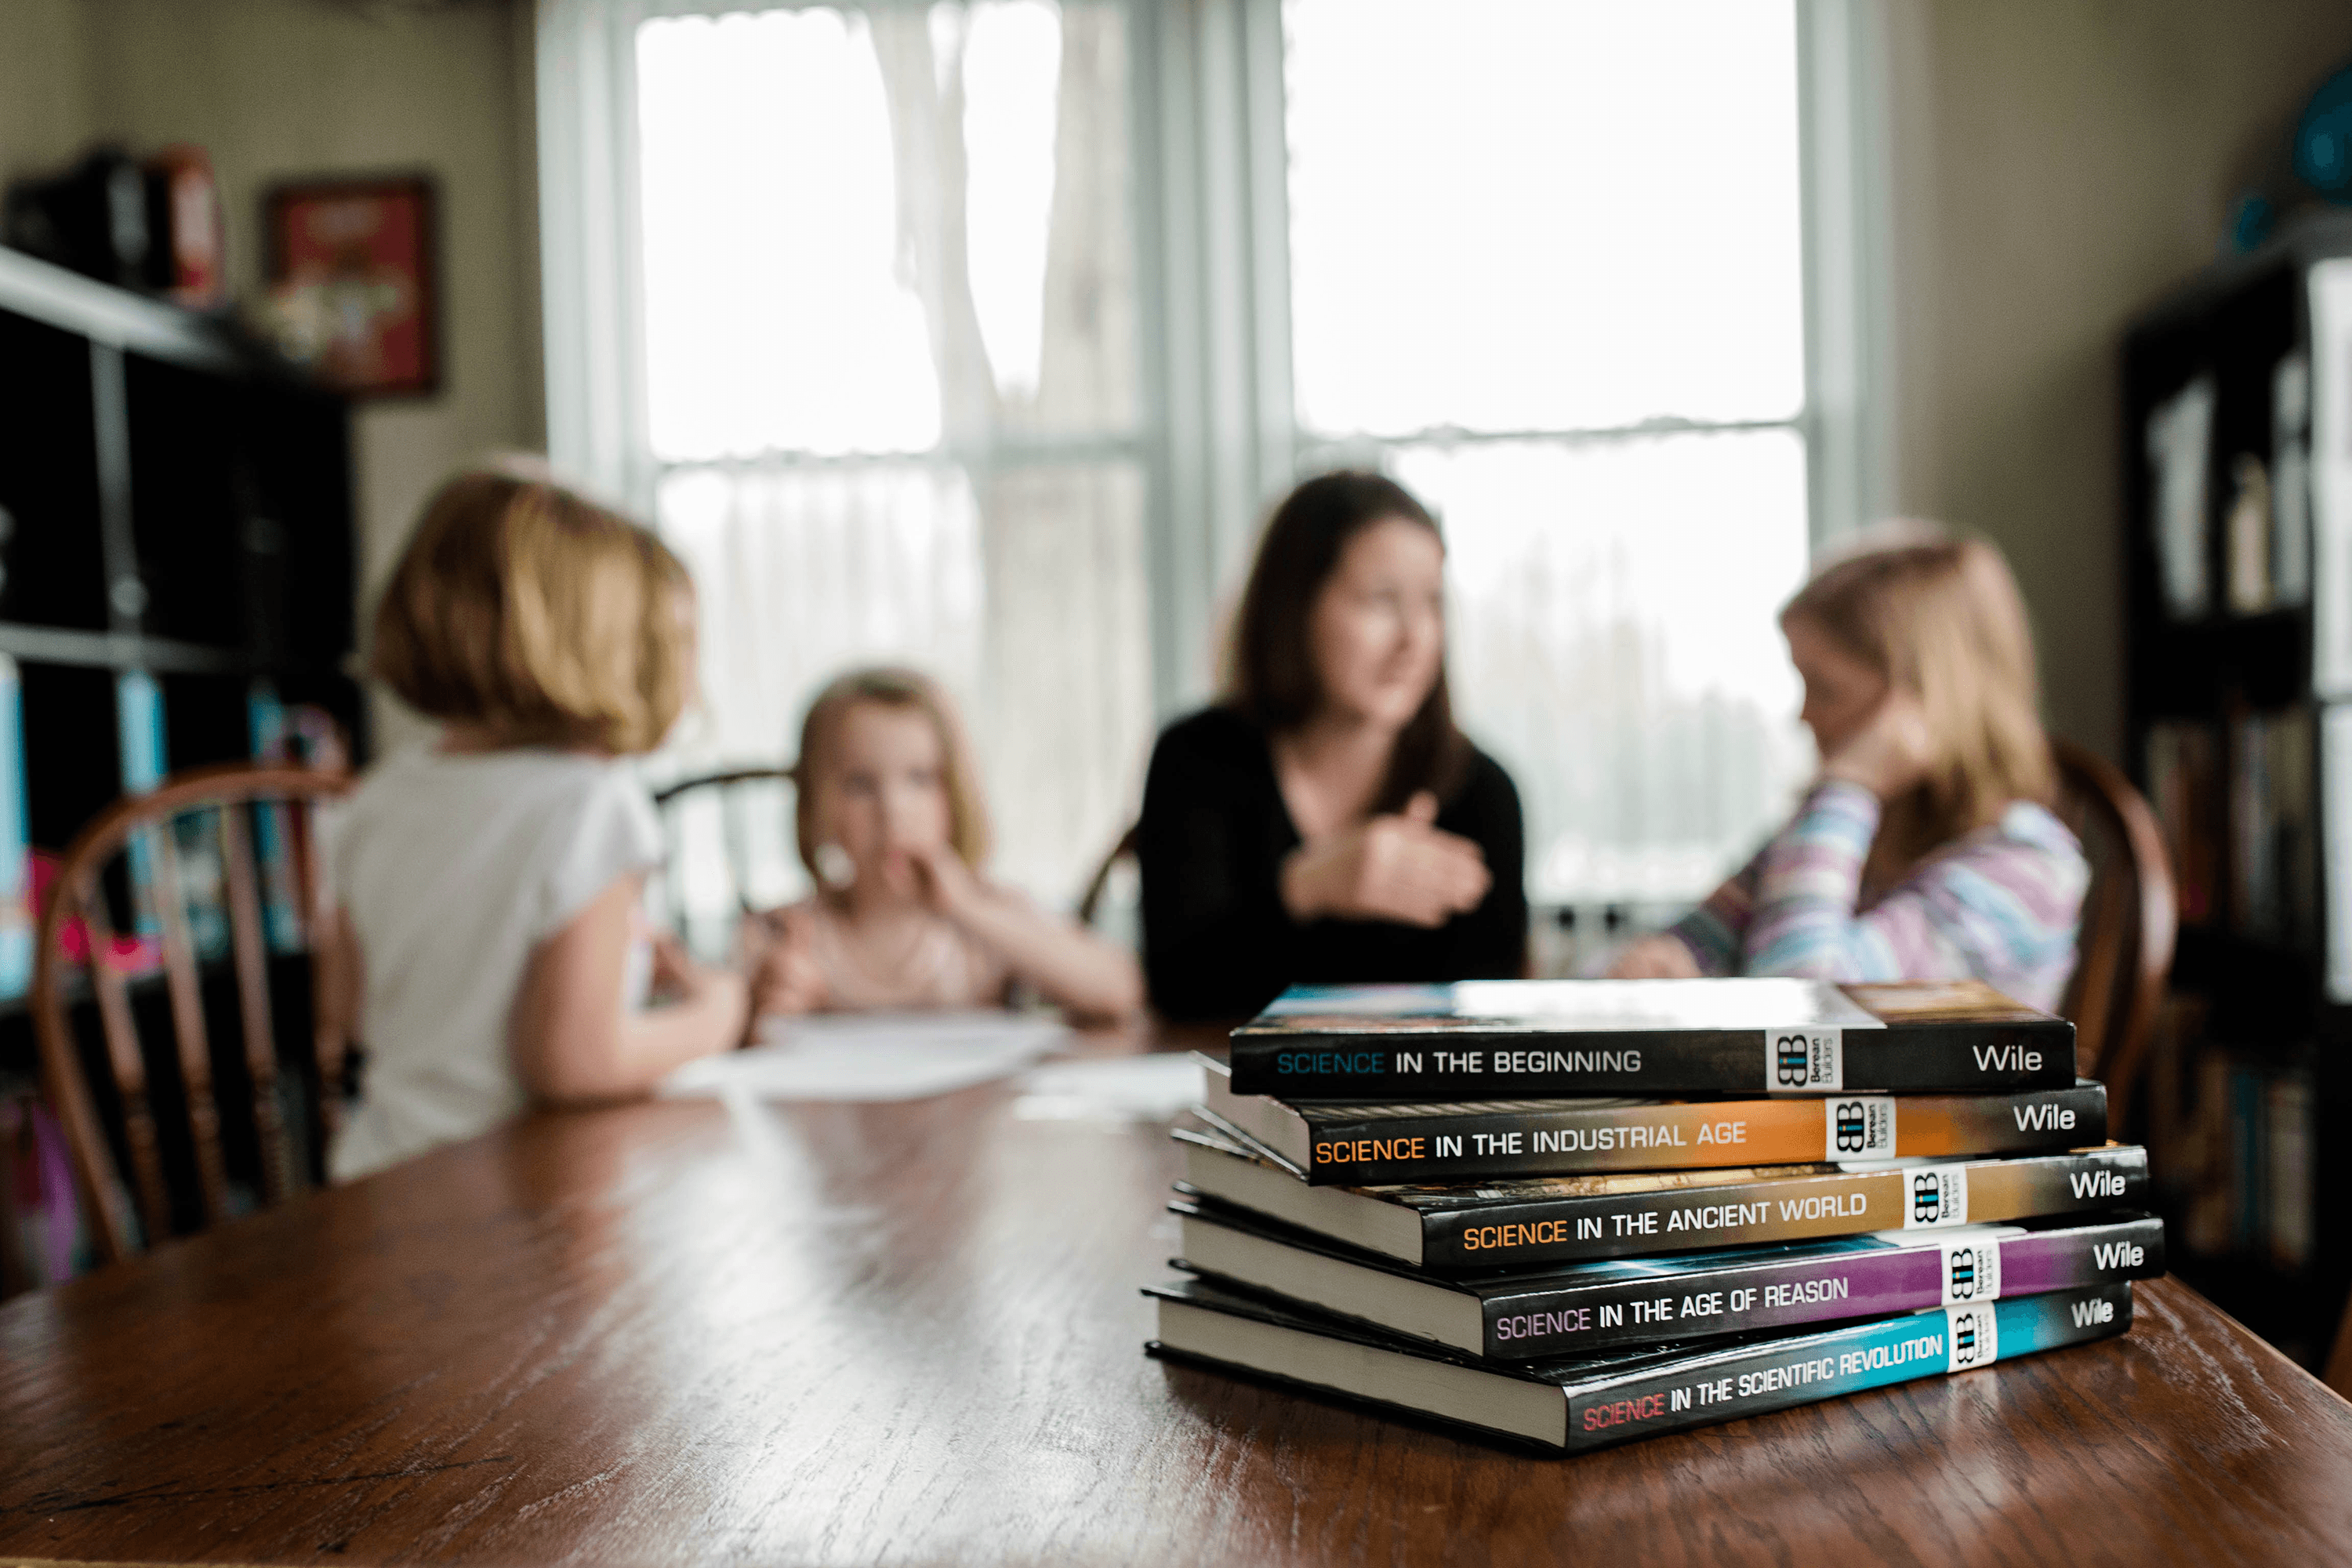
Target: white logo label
(1972, 1272)
(1808, 1058)
(1973, 1335)
(1934, 1196)
(1861, 1127)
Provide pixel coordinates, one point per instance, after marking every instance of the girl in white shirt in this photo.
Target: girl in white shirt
(490, 882)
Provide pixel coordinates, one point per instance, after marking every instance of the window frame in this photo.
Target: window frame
(1218, 436)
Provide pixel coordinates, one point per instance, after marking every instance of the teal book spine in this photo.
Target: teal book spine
(281, 912)
(1813, 1367)
(15, 901)
(139, 739)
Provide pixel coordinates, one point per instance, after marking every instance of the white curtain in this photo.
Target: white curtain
(889, 300)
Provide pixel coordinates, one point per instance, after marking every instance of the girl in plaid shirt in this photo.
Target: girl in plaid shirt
(1927, 849)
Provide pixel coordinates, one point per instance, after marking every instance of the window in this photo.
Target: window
(1545, 267)
(890, 387)
(980, 335)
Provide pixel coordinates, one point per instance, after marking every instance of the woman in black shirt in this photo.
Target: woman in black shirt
(1327, 822)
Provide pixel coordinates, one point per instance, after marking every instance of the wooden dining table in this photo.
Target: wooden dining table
(728, 1330)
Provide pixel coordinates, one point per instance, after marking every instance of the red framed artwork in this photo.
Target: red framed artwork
(352, 282)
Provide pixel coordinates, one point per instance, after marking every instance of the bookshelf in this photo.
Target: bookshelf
(2238, 554)
(177, 554)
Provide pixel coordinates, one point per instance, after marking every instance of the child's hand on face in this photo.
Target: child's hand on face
(1891, 753)
(787, 980)
(947, 886)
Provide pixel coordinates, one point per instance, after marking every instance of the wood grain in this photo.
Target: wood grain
(689, 1332)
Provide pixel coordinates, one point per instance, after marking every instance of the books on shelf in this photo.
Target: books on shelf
(1492, 1039)
(2240, 1162)
(2290, 479)
(16, 913)
(1576, 1271)
(2180, 439)
(1602, 1398)
(2328, 288)
(2236, 804)
(2184, 789)
(2336, 850)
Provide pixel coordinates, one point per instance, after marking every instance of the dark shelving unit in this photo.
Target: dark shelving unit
(2256, 993)
(180, 505)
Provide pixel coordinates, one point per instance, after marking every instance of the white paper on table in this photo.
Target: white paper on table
(1151, 1088)
(872, 1055)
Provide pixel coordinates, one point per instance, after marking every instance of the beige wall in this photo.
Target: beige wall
(2058, 165)
(45, 111)
(278, 90)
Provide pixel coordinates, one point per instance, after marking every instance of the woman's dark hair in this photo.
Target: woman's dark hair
(1270, 675)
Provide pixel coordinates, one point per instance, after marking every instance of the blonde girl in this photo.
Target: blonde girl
(893, 830)
(1927, 849)
(490, 879)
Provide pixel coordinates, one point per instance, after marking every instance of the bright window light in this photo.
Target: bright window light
(1531, 215)
(1545, 267)
(1011, 57)
(777, 313)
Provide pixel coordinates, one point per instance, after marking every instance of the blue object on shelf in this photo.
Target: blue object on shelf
(2323, 141)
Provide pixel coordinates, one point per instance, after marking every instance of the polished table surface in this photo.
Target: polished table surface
(692, 1330)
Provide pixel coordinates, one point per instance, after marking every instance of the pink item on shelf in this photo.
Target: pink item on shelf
(125, 954)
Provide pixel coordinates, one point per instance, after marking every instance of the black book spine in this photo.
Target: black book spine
(1746, 1213)
(1506, 1063)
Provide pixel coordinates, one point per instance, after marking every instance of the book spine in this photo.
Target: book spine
(139, 735)
(16, 915)
(1340, 1063)
(280, 904)
(1753, 1379)
(1453, 1145)
(1857, 1282)
(1749, 1214)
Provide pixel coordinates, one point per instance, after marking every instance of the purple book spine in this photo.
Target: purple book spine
(1865, 1281)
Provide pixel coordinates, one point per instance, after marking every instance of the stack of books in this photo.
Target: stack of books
(1410, 1195)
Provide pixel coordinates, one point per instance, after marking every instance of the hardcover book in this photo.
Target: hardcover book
(1487, 1038)
(1574, 1307)
(1342, 1144)
(1524, 1221)
(1604, 1397)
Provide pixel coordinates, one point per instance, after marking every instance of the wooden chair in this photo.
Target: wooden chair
(730, 786)
(1090, 902)
(142, 829)
(2129, 920)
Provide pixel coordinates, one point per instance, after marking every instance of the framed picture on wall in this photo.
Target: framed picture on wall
(353, 274)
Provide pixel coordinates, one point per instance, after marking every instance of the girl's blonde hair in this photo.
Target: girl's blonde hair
(908, 691)
(529, 609)
(1941, 619)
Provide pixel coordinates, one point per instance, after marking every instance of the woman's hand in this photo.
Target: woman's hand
(1402, 867)
(1654, 957)
(1892, 752)
(787, 979)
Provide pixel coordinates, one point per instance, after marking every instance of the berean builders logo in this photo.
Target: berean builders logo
(1969, 1337)
(1792, 1061)
(1964, 1273)
(1851, 1138)
(1926, 1197)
